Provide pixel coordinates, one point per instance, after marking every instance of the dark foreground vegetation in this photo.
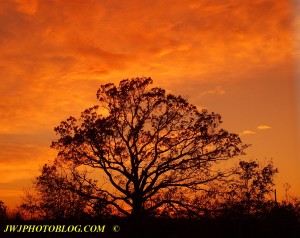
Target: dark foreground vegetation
(282, 220)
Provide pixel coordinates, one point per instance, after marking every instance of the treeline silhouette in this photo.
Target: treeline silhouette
(154, 164)
(269, 219)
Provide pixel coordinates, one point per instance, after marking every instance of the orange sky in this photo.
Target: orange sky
(237, 58)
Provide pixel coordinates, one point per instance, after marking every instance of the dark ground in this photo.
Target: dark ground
(275, 227)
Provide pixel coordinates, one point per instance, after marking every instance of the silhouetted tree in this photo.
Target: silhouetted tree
(258, 182)
(54, 195)
(156, 150)
(30, 206)
(247, 192)
(3, 210)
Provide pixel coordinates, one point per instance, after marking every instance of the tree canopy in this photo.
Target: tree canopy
(156, 151)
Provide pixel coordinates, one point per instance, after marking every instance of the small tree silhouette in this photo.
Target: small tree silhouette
(156, 150)
(54, 197)
(3, 210)
(247, 192)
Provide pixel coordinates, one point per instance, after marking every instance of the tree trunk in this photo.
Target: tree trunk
(138, 211)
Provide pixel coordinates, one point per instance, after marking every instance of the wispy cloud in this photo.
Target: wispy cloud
(216, 91)
(263, 127)
(27, 7)
(259, 128)
(247, 132)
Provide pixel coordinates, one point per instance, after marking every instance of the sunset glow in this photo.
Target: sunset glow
(237, 58)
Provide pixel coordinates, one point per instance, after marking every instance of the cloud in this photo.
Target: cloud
(263, 127)
(22, 155)
(247, 132)
(60, 52)
(27, 6)
(217, 91)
